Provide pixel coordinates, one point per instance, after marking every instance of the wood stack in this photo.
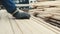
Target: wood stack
(46, 4)
(47, 10)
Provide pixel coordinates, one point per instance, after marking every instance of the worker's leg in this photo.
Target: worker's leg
(9, 5)
(11, 8)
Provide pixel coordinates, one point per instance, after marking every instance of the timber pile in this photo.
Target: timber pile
(34, 25)
(48, 11)
(46, 4)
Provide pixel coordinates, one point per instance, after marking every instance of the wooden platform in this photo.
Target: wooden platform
(9, 25)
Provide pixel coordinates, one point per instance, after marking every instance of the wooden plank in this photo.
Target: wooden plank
(15, 26)
(9, 25)
(48, 12)
(46, 4)
(25, 29)
(47, 25)
(5, 27)
(32, 27)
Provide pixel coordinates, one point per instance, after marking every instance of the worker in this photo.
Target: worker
(11, 8)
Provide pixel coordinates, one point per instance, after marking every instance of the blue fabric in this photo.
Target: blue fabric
(9, 5)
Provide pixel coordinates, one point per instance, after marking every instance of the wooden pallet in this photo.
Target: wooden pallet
(9, 25)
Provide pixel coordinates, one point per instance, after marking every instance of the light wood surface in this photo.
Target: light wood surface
(9, 25)
(46, 4)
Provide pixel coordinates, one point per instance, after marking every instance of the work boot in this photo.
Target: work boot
(20, 15)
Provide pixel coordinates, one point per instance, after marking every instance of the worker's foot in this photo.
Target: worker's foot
(21, 15)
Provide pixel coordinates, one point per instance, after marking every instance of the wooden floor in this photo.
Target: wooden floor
(9, 25)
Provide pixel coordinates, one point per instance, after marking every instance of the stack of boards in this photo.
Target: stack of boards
(34, 25)
(48, 11)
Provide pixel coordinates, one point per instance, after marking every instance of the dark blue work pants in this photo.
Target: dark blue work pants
(9, 5)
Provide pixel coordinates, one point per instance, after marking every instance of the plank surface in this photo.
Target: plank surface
(46, 4)
(5, 27)
(9, 25)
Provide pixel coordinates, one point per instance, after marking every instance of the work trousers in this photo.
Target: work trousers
(9, 5)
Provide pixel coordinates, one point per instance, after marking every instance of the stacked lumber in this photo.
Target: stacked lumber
(9, 25)
(46, 4)
(48, 10)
